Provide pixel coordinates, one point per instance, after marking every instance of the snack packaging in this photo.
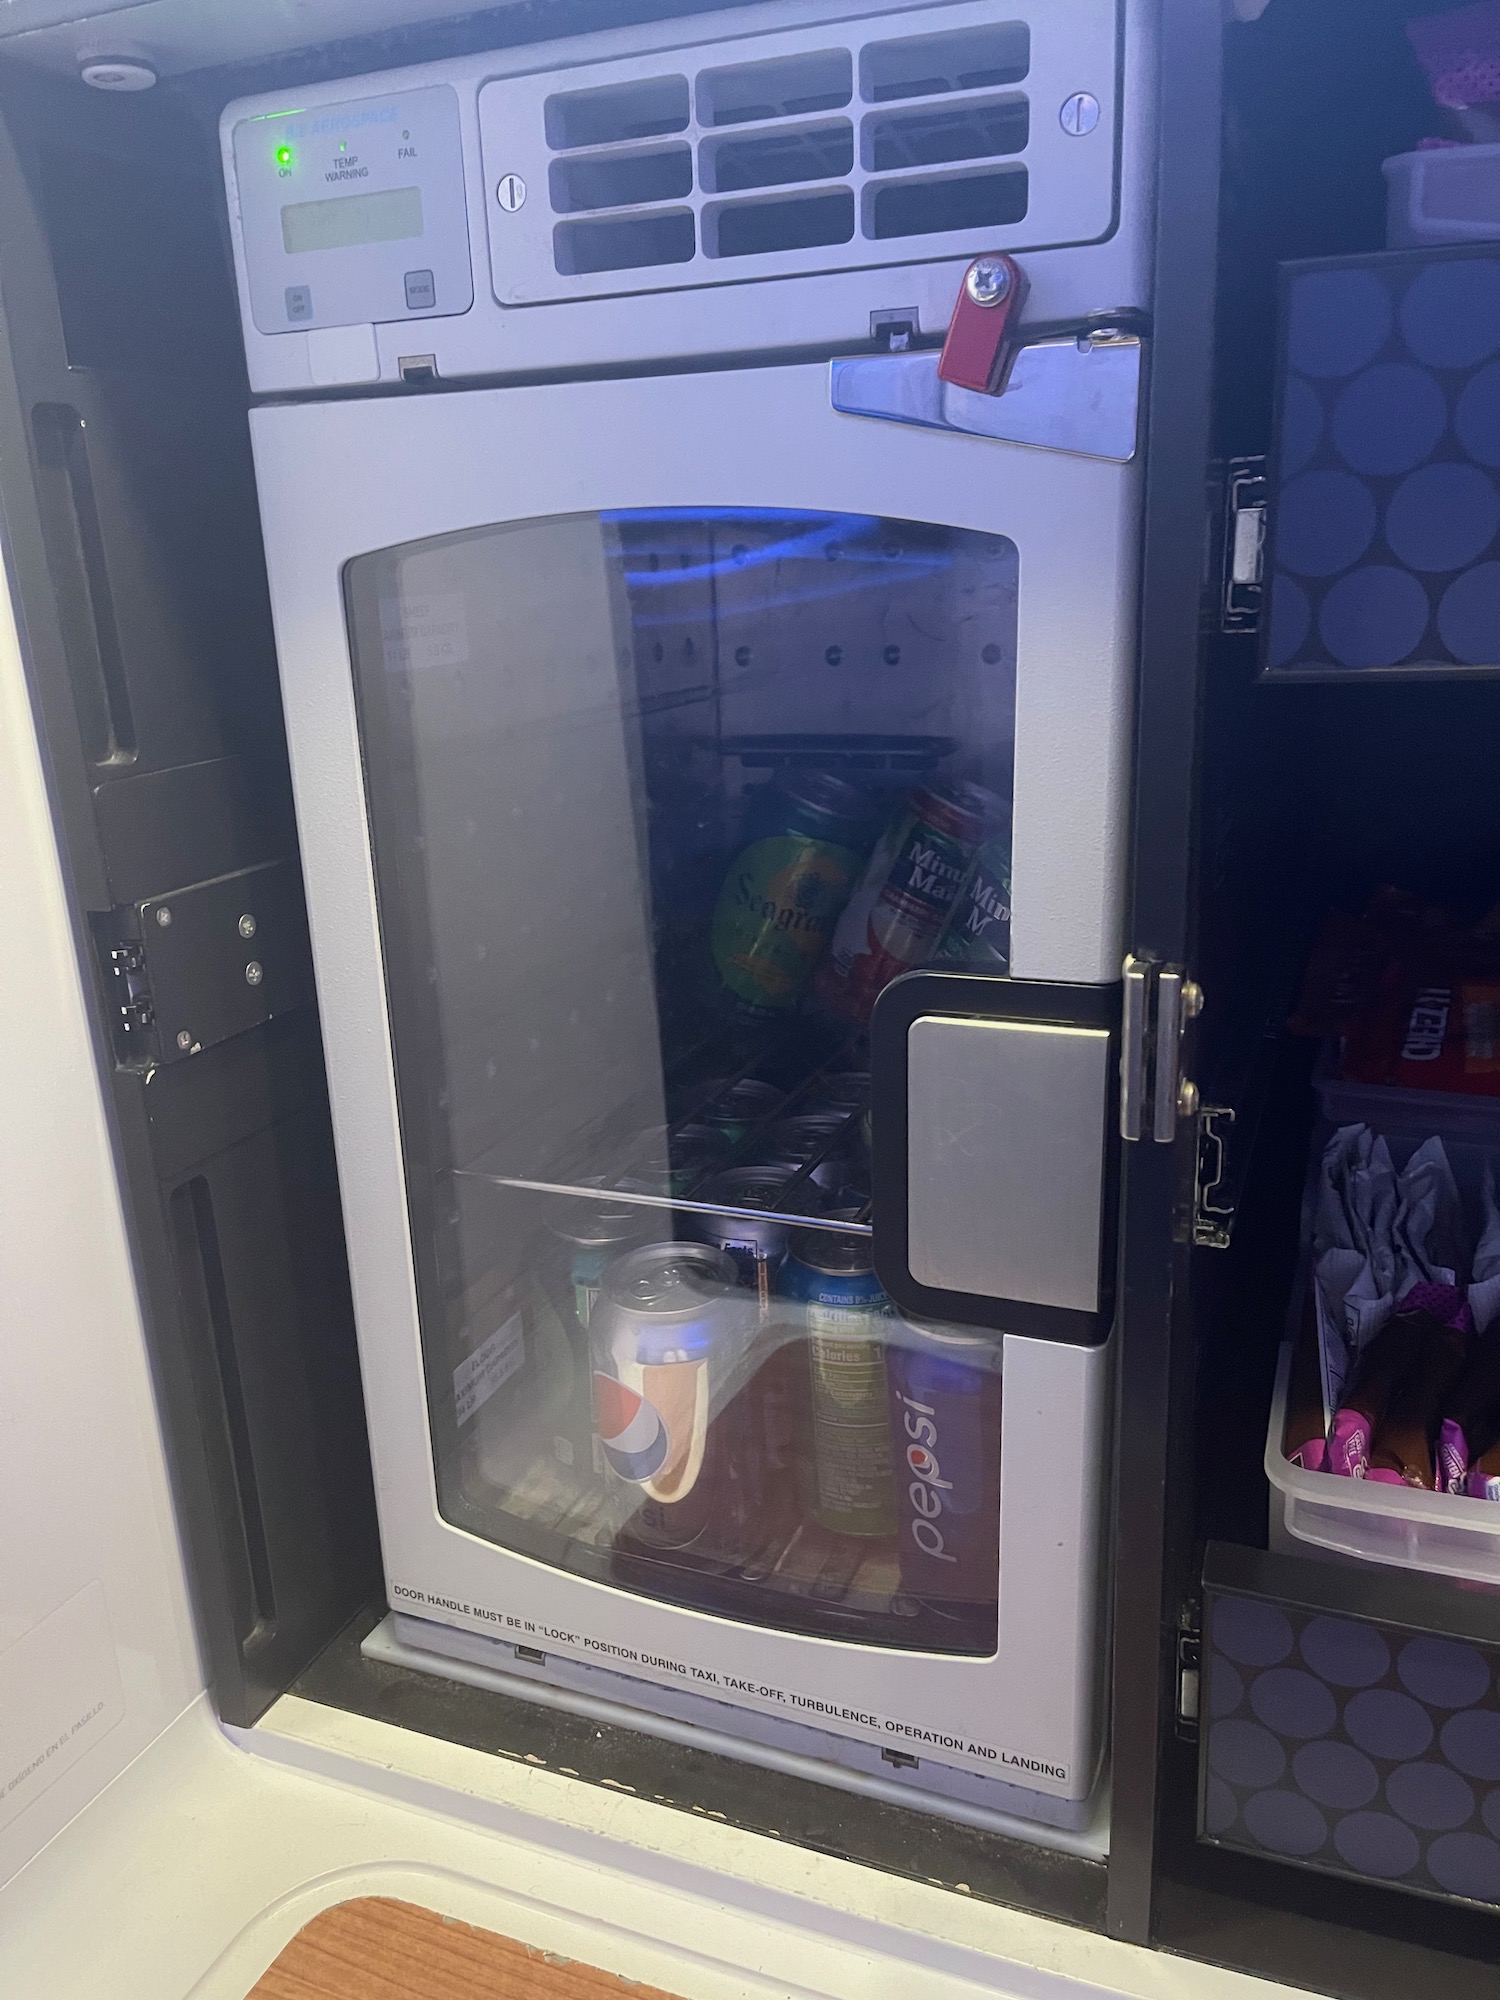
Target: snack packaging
(1484, 1476)
(1401, 1453)
(1460, 56)
(1351, 1435)
(1305, 1440)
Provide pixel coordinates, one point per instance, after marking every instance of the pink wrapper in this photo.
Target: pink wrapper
(1312, 1456)
(1349, 1445)
(1381, 1476)
(1483, 1486)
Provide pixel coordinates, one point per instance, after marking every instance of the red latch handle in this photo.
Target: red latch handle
(981, 343)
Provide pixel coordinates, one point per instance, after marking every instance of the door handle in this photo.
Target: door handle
(1079, 394)
(995, 1149)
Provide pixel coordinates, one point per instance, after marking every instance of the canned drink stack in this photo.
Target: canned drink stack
(894, 917)
(669, 1332)
(833, 1278)
(945, 1388)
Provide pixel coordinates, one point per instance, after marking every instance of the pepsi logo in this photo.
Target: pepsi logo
(630, 1430)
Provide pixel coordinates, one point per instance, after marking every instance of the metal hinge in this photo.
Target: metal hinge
(1242, 584)
(1160, 1002)
(187, 969)
(1213, 1214)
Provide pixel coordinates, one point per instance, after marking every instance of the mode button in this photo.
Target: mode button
(421, 293)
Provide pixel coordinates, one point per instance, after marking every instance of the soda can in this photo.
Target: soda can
(591, 1239)
(845, 1312)
(695, 1151)
(671, 1165)
(945, 1414)
(586, 1237)
(738, 1105)
(805, 1137)
(846, 1090)
(669, 1331)
(756, 1244)
(804, 843)
(896, 914)
(978, 931)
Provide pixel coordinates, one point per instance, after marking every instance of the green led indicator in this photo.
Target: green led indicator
(343, 145)
(283, 156)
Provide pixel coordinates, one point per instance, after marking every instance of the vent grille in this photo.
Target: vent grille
(838, 140)
(780, 154)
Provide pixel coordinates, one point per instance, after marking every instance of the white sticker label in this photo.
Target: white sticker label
(59, 1694)
(476, 1379)
(424, 629)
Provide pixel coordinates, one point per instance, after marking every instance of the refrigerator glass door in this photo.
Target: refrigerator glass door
(660, 799)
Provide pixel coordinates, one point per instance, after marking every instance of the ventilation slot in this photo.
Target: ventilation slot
(644, 110)
(928, 207)
(791, 87)
(621, 180)
(932, 138)
(797, 222)
(931, 65)
(775, 159)
(625, 243)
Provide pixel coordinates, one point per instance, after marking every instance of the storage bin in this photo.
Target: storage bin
(1439, 1534)
(1407, 1114)
(1444, 194)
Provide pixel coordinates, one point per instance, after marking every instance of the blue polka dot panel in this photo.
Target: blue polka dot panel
(1383, 537)
(1350, 1745)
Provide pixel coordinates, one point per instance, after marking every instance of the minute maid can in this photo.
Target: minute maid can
(804, 845)
(670, 1334)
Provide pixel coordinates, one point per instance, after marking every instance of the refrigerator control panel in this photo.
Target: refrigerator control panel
(354, 213)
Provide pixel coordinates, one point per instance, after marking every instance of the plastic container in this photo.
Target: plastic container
(1407, 1114)
(1443, 194)
(1443, 1534)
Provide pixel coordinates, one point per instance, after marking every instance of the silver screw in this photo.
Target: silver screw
(247, 926)
(184, 1039)
(987, 281)
(510, 192)
(253, 973)
(164, 916)
(1079, 114)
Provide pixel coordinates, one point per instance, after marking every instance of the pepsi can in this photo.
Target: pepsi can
(670, 1333)
(945, 1416)
(844, 1310)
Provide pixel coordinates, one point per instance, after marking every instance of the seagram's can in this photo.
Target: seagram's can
(894, 917)
(845, 1312)
(669, 1330)
(803, 847)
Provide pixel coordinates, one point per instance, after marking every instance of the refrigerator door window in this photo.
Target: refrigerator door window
(660, 800)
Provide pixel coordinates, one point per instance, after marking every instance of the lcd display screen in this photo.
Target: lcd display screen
(383, 216)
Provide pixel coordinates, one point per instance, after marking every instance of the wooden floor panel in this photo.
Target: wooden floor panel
(375, 1948)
